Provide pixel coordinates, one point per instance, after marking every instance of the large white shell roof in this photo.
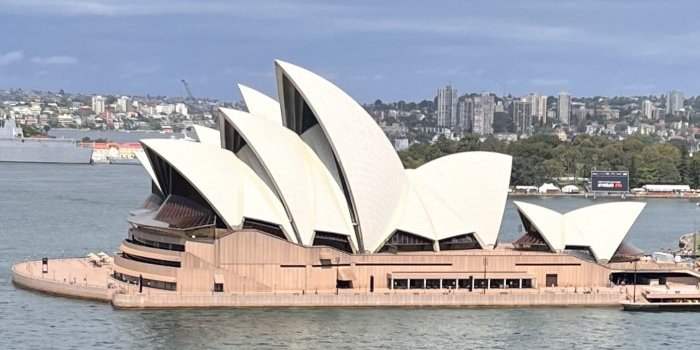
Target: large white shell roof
(312, 197)
(206, 135)
(601, 227)
(474, 185)
(260, 104)
(374, 175)
(232, 189)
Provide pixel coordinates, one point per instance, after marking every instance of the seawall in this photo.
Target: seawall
(77, 278)
(474, 299)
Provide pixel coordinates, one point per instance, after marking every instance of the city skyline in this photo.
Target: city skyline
(136, 48)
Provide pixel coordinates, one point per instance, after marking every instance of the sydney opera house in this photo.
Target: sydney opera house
(307, 196)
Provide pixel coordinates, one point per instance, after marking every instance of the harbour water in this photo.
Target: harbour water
(65, 211)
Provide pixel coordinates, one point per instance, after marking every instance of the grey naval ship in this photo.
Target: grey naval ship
(14, 147)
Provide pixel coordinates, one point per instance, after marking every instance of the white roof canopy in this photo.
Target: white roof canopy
(475, 186)
(312, 197)
(260, 104)
(601, 227)
(230, 187)
(368, 164)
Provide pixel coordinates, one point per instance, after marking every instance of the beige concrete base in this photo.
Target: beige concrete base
(80, 279)
(75, 278)
(473, 299)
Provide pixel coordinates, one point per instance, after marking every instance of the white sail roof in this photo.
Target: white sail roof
(260, 104)
(313, 199)
(369, 167)
(601, 227)
(475, 186)
(230, 187)
(206, 135)
(445, 220)
(143, 159)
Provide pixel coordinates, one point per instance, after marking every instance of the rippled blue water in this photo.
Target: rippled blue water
(58, 211)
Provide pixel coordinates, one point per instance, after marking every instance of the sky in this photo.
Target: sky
(389, 50)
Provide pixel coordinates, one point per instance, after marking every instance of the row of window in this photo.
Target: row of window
(152, 261)
(402, 241)
(144, 281)
(466, 283)
(156, 244)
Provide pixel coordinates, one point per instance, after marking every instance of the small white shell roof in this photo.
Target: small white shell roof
(206, 135)
(260, 104)
(143, 159)
(375, 177)
(475, 186)
(232, 189)
(548, 222)
(601, 227)
(312, 197)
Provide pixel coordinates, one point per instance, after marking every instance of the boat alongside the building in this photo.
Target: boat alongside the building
(16, 148)
(685, 298)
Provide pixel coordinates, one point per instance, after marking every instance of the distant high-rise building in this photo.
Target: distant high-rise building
(579, 112)
(484, 107)
(122, 104)
(447, 107)
(521, 111)
(538, 107)
(465, 113)
(98, 104)
(564, 108)
(674, 101)
(647, 109)
(659, 113)
(181, 108)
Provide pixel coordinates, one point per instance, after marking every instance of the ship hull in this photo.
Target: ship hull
(43, 151)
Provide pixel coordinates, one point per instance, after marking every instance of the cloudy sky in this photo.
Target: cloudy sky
(372, 49)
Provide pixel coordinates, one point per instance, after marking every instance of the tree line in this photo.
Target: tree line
(545, 158)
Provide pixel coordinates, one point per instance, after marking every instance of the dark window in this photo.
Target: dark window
(551, 280)
(464, 283)
(432, 283)
(532, 239)
(152, 261)
(417, 284)
(180, 212)
(449, 283)
(580, 252)
(343, 284)
(462, 242)
(298, 115)
(334, 240)
(526, 283)
(146, 282)
(218, 287)
(157, 245)
(645, 278)
(496, 283)
(232, 139)
(481, 283)
(626, 252)
(513, 283)
(402, 241)
(400, 284)
(263, 226)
